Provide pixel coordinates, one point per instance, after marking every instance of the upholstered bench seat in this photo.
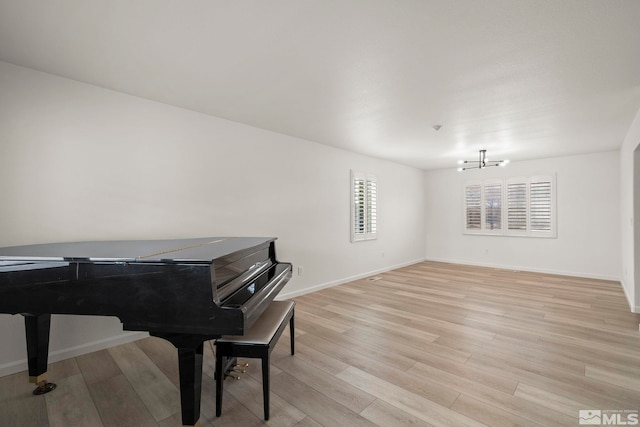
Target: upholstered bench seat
(257, 342)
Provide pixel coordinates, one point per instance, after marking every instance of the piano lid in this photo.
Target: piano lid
(196, 250)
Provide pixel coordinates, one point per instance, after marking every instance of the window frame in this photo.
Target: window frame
(364, 206)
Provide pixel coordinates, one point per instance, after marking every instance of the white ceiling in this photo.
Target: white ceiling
(522, 79)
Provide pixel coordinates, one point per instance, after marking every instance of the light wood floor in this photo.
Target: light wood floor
(429, 344)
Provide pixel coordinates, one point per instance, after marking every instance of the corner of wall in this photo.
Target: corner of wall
(635, 308)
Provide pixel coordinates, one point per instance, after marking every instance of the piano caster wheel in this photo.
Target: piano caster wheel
(235, 377)
(44, 387)
(241, 365)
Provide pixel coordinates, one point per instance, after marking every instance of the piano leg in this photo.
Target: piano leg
(37, 331)
(190, 357)
(190, 364)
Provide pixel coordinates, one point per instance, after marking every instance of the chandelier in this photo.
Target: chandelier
(481, 163)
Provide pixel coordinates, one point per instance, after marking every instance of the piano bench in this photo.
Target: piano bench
(257, 342)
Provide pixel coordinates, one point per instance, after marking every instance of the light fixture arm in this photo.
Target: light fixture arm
(482, 162)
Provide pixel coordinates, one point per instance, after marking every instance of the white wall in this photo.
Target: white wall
(630, 209)
(588, 206)
(83, 163)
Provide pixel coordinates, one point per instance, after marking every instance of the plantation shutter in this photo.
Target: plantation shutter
(473, 207)
(359, 206)
(517, 207)
(493, 206)
(372, 195)
(540, 205)
(364, 215)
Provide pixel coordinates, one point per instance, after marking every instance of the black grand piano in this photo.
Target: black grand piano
(186, 291)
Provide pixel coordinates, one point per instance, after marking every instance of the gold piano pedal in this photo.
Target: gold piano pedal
(238, 368)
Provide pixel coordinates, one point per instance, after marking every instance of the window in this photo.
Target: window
(526, 207)
(364, 193)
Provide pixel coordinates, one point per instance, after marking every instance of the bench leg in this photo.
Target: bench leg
(219, 383)
(292, 333)
(265, 384)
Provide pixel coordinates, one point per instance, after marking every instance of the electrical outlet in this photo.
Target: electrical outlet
(300, 270)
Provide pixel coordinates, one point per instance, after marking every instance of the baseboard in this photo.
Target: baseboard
(297, 293)
(529, 269)
(55, 356)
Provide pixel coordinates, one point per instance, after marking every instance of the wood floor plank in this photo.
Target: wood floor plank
(119, 405)
(15, 386)
(495, 416)
(380, 354)
(385, 414)
(308, 422)
(98, 366)
(415, 350)
(390, 373)
(390, 323)
(164, 355)
(503, 401)
(411, 403)
(582, 350)
(550, 400)
(18, 406)
(619, 379)
(24, 412)
(506, 347)
(334, 324)
(322, 409)
(469, 382)
(598, 394)
(63, 369)
(439, 327)
(71, 405)
(159, 394)
(344, 393)
(320, 360)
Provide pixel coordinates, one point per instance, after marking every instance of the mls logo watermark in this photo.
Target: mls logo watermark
(609, 417)
(590, 417)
